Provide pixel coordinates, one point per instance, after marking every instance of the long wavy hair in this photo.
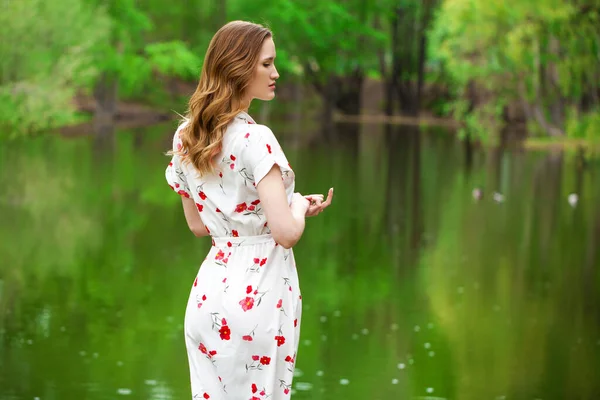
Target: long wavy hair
(228, 69)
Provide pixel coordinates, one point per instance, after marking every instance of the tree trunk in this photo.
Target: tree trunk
(328, 95)
(105, 94)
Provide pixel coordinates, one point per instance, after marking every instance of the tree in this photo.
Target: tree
(42, 65)
(542, 57)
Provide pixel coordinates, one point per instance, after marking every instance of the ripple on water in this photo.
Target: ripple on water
(303, 386)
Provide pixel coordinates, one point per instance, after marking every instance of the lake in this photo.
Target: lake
(412, 287)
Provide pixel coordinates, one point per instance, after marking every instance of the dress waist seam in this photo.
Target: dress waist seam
(231, 241)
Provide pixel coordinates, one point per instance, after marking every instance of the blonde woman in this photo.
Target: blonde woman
(242, 322)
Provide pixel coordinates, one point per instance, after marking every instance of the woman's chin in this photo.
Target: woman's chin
(268, 96)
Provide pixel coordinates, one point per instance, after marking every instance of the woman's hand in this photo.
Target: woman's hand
(317, 204)
(300, 204)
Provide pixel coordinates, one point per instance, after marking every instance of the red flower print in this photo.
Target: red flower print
(247, 338)
(207, 230)
(212, 353)
(251, 208)
(286, 390)
(225, 332)
(220, 255)
(289, 359)
(247, 135)
(248, 289)
(234, 233)
(255, 398)
(203, 297)
(279, 303)
(170, 164)
(220, 174)
(232, 157)
(183, 193)
(262, 392)
(256, 358)
(196, 281)
(295, 322)
(217, 210)
(280, 340)
(254, 388)
(202, 195)
(256, 260)
(232, 165)
(264, 360)
(263, 261)
(206, 396)
(240, 207)
(269, 148)
(202, 348)
(177, 185)
(247, 303)
(223, 321)
(255, 202)
(229, 244)
(200, 207)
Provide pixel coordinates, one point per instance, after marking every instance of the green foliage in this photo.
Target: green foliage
(329, 37)
(173, 59)
(586, 126)
(539, 56)
(42, 64)
(538, 53)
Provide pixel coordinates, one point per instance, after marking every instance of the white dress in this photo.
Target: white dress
(242, 322)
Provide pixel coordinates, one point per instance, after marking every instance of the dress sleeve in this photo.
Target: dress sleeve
(262, 152)
(175, 174)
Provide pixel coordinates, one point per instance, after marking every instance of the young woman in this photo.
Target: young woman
(242, 321)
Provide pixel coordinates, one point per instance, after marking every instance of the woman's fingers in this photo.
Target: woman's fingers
(327, 202)
(317, 204)
(314, 198)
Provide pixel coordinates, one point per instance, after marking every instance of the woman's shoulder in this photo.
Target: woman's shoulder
(259, 132)
(177, 142)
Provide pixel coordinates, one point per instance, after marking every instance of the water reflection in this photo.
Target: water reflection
(412, 289)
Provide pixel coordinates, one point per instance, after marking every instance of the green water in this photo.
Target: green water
(411, 288)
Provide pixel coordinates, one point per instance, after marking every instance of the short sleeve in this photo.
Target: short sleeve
(175, 174)
(262, 152)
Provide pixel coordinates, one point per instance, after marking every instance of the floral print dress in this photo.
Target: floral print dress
(242, 321)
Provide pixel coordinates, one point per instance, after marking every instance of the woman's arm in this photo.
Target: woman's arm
(193, 218)
(286, 222)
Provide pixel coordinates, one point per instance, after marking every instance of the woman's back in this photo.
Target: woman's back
(227, 200)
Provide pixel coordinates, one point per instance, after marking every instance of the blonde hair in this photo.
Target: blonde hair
(228, 69)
